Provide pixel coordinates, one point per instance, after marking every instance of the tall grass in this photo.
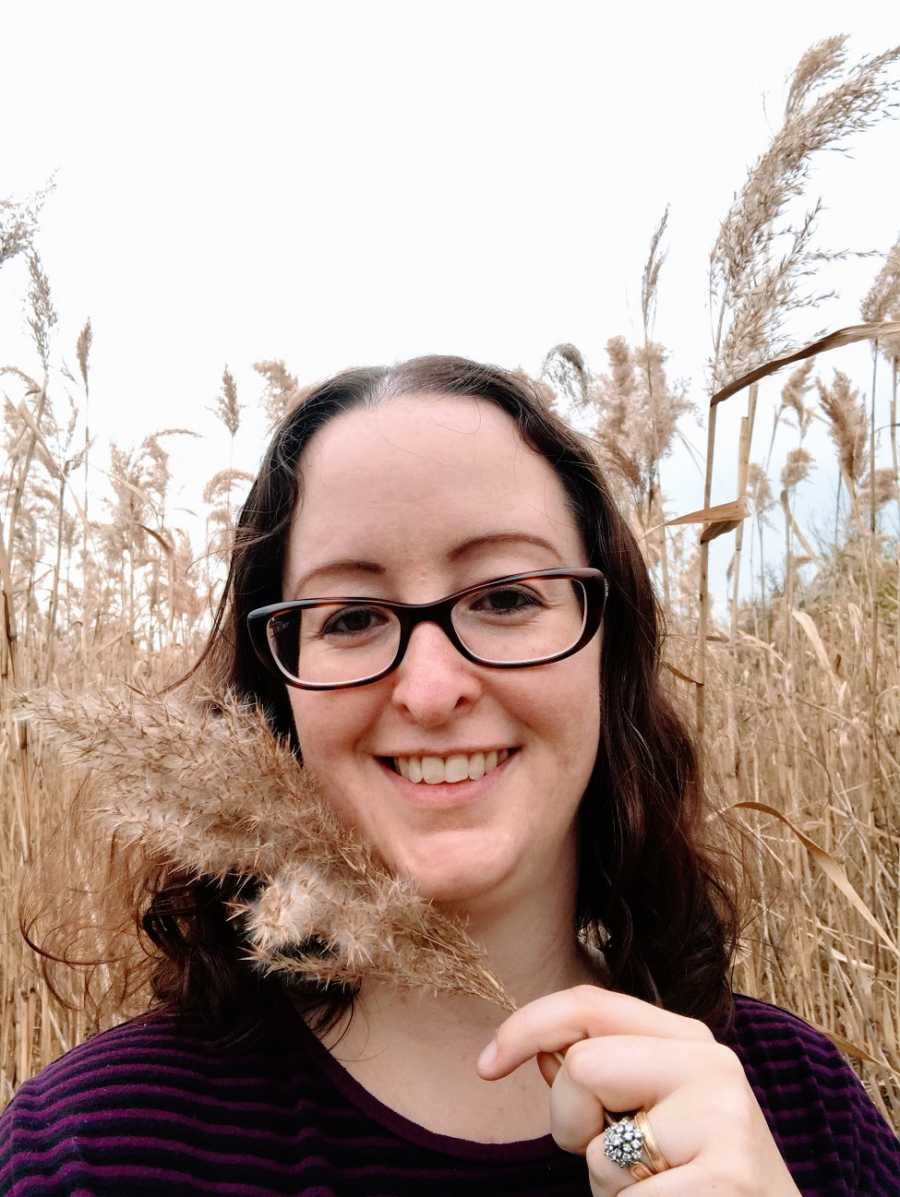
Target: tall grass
(796, 700)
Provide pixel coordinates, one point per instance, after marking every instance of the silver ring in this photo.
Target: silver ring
(623, 1143)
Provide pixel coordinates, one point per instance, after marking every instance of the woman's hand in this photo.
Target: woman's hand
(623, 1055)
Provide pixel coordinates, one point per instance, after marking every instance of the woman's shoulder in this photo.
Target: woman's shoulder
(162, 1100)
(761, 1028)
(785, 1051)
(85, 1090)
(151, 1053)
(824, 1122)
(146, 1049)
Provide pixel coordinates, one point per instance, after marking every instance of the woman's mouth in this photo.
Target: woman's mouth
(433, 770)
(447, 781)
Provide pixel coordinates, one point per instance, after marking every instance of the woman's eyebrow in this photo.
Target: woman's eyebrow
(353, 565)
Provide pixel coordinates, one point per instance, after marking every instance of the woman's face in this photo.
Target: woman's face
(403, 486)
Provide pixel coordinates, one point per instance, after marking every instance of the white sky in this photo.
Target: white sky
(348, 183)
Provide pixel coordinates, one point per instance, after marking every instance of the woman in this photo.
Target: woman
(463, 650)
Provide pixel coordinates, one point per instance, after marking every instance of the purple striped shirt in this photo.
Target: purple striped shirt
(157, 1106)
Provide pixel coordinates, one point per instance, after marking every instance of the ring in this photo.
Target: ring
(627, 1140)
(658, 1162)
(623, 1143)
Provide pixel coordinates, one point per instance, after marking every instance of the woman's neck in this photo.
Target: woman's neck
(387, 1018)
(416, 1051)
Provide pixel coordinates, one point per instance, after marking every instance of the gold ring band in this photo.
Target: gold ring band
(658, 1162)
(641, 1172)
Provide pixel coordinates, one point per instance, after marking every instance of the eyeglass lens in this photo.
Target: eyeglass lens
(521, 622)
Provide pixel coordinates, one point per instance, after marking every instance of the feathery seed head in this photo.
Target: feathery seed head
(882, 302)
(796, 469)
(848, 425)
(202, 785)
(227, 407)
(754, 276)
(282, 391)
(567, 373)
(885, 487)
(759, 488)
(83, 349)
(821, 62)
(650, 277)
(798, 383)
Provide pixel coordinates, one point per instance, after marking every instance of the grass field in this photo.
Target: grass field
(795, 694)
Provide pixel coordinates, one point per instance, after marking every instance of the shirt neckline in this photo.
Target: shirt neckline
(521, 1150)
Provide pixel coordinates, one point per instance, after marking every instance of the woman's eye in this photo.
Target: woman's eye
(353, 621)
(499, 602)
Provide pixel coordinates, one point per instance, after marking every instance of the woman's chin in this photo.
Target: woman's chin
(449, 886)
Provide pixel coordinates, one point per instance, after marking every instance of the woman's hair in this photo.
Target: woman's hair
(649, 893)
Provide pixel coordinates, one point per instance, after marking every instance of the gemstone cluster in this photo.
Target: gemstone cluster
(623, 1143)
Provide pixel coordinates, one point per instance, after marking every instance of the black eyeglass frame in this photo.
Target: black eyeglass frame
(410, 615)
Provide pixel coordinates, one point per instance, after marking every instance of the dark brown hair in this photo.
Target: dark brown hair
(649, 893)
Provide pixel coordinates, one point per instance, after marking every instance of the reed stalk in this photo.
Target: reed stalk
(744, 445)
(873, 642)
(703, 603)
(799, 722)
(895, 461)
(83, 350)
(649, 293)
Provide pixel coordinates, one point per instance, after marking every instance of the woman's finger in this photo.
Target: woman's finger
(631, 1072)
(549, 1065)
(576, 1114)
(554, 1022)
(619, 1073)
(711, 1123)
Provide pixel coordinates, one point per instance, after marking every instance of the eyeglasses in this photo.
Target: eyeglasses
(508, 623)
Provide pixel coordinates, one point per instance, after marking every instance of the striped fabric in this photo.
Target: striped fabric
(157, 1107)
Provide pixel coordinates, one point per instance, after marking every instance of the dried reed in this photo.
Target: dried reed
(800, 741)
(753, 287)
(203, 787)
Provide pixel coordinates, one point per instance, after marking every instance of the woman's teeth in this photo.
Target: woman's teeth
(436, 769)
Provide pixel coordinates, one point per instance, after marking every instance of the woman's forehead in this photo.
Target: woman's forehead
(399, 423)
(417, 475)
(423, 449)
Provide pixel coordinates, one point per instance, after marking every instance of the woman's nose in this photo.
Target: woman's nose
(434, 680)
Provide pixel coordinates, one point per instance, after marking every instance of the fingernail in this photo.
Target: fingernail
(488, 1057)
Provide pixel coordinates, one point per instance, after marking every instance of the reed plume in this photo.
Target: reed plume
(638, 411)
(759, 489)
(282, 389)
(757, 267)
(794, 392)
(796, 469)
(848, 426)
(792, 395)
(227, 408)
(808, 730)
(42, 315)
(565, 376)
(882, 301)
(18, 223)
(752, 285)
(202, 785)
(83, 350)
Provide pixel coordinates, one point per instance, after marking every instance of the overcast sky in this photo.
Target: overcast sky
(348, 183)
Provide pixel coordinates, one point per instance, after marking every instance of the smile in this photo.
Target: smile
(438, 770)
